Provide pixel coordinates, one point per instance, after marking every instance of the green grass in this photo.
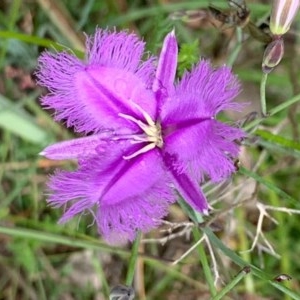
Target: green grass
(40, 259)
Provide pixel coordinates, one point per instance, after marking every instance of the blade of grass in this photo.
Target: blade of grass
(132, 260)
(244, 246)
(277, 139)
(268, 184)
(283, 242)
(239, 261)
(61, 18)
(31, 39)
(236, 258)
(21, 123)
(238, 46)
(233, 283)
(13, 17)
(204, 263)
(274, 111)
(86, 242)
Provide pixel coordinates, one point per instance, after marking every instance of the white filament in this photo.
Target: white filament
(151, 130)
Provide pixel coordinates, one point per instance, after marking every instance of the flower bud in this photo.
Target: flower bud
(273, 55)
(282, 15)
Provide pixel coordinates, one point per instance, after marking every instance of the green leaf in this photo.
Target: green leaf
(24, 254)
(234, 256)
(188, 56)
(277, 139)
(239, 261)
(268, 184)
(31, 39)
(19, 122)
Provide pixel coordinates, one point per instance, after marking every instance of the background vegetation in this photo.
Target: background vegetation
(241, 251)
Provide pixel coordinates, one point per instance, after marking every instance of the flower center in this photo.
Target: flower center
(152, 132)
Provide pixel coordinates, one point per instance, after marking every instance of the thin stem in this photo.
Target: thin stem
(284, 105)
(234, 54)
(233, 283)
(96, 262)
(274, 111)
(205, 264)
(132, 260)
(285, 263)
(263, 101)
(244, 246)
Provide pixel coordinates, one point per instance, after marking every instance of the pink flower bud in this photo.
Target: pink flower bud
(282, 15)
(273, 55)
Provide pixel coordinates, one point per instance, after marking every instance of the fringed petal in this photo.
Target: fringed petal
(166, 70)
(187, 187)
(205, 149)
(203, 92)
(89, 97)
(119, 50)
(120, 222)
(203, 146)
(77, 148)
(117, 189)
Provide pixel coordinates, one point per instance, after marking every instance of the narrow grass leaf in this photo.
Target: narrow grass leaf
(232, 283)
(19, 122)
(239, 261)
(277, 139)
(31, 39)
(268, 184)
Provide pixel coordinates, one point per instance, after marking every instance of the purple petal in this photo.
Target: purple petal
(202, 145)
(90, 97)
(166, 69)
(120, 222)
(204, 92)
(187, 187)
(108, 92)
(119, 50)
(98, 96)
(80, 147)
(207, 148)
(56, 70)
(126, 198)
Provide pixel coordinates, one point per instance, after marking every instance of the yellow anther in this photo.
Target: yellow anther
(151, 130)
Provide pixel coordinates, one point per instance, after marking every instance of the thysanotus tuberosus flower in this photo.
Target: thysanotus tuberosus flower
(282, 15)
(146, 137)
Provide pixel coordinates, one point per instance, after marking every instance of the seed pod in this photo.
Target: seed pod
(273, 55)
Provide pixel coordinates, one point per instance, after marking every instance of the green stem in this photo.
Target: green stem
(263, 101)
(239, 261)
(234, 54)
(197, 218)
(132, 260)
(284, 105)
(204, 262)
(283, 231)
(274, 111)
(232, 284)
(100, 272)
(244, 246)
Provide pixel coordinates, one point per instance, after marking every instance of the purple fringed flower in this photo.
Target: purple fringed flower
(146, 137)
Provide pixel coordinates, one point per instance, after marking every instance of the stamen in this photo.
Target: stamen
(152, 132)
(143, 150)
(144, 113)
(134, 120)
